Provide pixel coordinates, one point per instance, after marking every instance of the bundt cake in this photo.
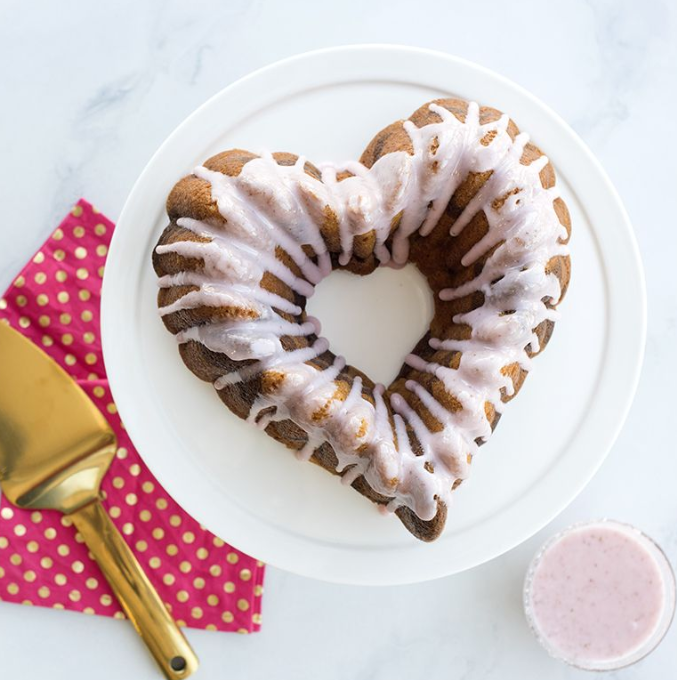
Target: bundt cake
(457, 190)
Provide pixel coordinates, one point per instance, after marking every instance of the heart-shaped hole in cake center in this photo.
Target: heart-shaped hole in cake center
(374, 321)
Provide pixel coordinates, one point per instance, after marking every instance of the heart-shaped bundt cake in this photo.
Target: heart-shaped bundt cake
(457, 190)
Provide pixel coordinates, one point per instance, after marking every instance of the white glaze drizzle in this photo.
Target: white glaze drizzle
(269, 206)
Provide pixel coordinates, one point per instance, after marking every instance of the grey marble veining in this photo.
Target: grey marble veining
(90, 90)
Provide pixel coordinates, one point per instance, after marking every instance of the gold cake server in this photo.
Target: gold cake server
(55, 448)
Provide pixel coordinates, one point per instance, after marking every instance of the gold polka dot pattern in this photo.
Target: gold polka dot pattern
(209, 584)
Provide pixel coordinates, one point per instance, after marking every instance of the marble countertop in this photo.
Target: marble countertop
(89, 92)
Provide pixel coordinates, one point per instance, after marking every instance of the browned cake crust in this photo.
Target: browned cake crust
(437, 255)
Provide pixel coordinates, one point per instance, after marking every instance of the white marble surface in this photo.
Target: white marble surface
(89, 90)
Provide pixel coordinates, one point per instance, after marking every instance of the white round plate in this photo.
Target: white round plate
(250, 490)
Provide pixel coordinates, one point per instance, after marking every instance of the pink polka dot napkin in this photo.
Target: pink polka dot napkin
(205, 583)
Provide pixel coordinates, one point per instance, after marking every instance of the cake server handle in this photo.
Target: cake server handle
(136, 594)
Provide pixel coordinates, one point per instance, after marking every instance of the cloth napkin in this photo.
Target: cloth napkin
(43, 561)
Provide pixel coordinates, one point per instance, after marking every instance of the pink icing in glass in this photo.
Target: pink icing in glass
(600, 596)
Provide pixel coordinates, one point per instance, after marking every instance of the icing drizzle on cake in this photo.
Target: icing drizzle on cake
(268, 207)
